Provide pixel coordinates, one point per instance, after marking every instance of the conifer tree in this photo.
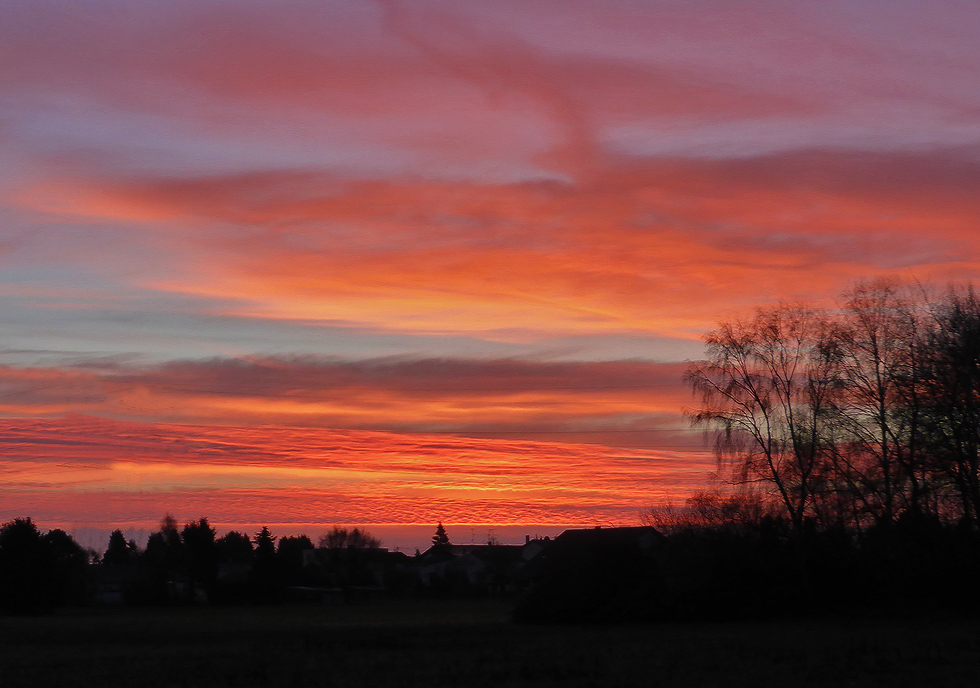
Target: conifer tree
(265, 547)
(202, 553)
(265, 568)
(119, 552)
(440, 539)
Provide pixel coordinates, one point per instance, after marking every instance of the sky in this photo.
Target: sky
(384, 263)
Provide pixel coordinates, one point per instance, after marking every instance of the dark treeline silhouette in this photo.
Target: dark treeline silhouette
(193, 565)
(853, 439)
(181, 565)
(39, 571)
(856, 418)
(190, 564)
(849, 447)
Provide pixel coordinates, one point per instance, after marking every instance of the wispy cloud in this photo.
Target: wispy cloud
(61, 469)
(658, 247)
(617, 403)
(481, 222)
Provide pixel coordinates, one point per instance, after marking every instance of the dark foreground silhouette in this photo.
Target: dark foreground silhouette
(466, 642)
(734, 568)
(755, 571)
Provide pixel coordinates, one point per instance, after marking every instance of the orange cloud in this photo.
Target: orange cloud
(452, 169)
(615, 403)
(660, 248)
(60, 470)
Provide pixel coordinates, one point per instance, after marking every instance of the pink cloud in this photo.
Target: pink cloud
(614, 403)
(487, 89)
(92, 472)
(663, 247)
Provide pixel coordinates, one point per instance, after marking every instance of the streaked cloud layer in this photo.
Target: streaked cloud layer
(324, 476)
(503, 220)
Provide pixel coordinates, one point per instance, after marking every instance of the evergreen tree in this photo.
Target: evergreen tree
(235, 547)
(26, 567)
(119, 552)
(202, 553)
(171, 536)
(265, 546)
(165, 559)
(440, 539)
(265, 568)
(164, 549)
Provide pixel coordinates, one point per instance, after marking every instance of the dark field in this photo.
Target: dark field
(469, 643)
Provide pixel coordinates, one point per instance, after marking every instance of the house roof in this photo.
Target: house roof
(442, 552)
(487, 553)
(498, 554)
(632, 536)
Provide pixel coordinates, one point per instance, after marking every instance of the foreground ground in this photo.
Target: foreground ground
(468, 643)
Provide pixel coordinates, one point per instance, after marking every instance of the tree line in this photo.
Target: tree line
(859, 416)
(41, 571)
(849, 441)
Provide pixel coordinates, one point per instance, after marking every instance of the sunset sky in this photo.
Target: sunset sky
(389, 263)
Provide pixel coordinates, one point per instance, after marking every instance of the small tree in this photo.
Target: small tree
(235, 547)
(440, 539)
(164, 548)
(119, 552)
(166, 560)
(265, 568)
(265, 550)
(202, 553)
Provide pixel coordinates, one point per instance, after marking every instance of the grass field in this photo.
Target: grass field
(468, 643)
